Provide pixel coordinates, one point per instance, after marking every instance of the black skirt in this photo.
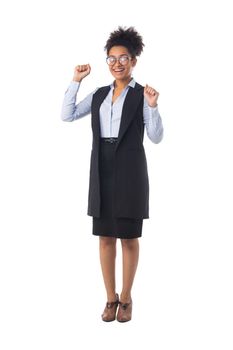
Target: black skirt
(107, 225)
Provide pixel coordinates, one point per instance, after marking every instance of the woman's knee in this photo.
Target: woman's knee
(107, 241)
(129, 243)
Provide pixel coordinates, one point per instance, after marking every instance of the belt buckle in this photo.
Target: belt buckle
(111, 140)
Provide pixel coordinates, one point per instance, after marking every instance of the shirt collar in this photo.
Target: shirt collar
(132, 83)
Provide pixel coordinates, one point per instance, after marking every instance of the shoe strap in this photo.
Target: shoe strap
(124, 305)
(111, 304)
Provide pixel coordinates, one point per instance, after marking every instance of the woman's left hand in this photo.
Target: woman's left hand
(151, 96)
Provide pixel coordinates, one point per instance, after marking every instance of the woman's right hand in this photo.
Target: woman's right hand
(81, 71)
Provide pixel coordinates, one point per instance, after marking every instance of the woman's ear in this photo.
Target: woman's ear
(134, 62)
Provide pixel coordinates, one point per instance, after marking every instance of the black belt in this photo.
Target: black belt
(109, 139)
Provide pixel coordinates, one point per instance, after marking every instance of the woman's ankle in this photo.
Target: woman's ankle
(125, 297)
(111, 297)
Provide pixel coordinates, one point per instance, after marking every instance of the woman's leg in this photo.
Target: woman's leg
(130, 255)
(107, 250)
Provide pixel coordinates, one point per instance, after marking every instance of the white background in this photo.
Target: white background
(52, 293)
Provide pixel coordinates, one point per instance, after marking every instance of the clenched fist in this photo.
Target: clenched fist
(81, 72)
(151, 95)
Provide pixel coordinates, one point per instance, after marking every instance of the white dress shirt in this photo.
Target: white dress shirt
(110, 113)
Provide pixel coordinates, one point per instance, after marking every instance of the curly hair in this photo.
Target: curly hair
(127, 37)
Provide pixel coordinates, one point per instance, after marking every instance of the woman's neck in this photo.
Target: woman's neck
(121, 84)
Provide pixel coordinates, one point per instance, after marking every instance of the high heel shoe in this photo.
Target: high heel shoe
(124, 313)
(109, 313)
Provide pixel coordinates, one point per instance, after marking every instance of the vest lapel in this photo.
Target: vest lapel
(130, 106)
(102, 93)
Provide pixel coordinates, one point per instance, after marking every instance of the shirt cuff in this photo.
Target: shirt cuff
(75, 84)
(153, 108)
(72, 88)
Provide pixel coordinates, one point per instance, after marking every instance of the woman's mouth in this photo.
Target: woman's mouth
(118, 70)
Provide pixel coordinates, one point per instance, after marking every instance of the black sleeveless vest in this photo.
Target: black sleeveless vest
(131, 182)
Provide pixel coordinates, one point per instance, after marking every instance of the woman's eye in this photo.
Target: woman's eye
(124, 59)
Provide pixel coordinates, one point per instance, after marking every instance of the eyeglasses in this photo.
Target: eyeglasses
(124, 59)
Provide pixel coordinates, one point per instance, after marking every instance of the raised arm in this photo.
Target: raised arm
(70, 110)
(152, 118)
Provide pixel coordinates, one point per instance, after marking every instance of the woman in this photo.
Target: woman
(118, 197)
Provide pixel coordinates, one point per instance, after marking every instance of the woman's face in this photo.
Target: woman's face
(121, 70)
